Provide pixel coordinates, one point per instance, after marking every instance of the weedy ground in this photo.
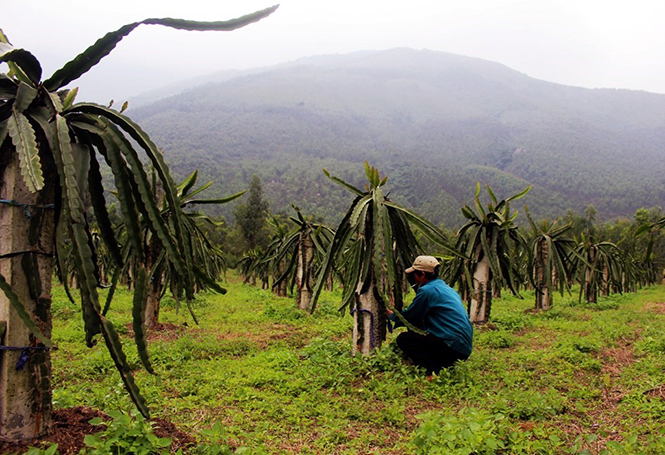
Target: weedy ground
(259, 376)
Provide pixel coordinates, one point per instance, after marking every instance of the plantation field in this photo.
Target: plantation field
(259, 376)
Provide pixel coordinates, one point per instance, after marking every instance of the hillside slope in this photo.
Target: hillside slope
(436, 123)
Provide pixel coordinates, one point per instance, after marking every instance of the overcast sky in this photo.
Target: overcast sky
(588, 43)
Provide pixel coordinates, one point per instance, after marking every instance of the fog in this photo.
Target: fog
(590, 43)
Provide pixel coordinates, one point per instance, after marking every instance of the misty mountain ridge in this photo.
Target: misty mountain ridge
(435, 123)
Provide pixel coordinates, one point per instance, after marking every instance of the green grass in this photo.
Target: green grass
(257, 373)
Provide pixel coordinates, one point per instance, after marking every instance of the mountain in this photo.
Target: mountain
(435, 123)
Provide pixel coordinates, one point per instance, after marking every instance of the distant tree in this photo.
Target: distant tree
(280, 233)
(251, 217)
(651, 223)
(579, 224)
(651, 272)
(253, 265)
(299, 250)
(491, 242)
(590, 212)
(549, 260)
(598, 267)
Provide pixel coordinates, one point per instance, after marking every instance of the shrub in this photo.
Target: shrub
(469, 431)
(128, 433)
(511, 322)
(50, 450)
(498, 339)
(531, 406)
(578, 351)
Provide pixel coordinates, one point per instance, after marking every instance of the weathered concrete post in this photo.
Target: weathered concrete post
(480, 303)
(304, 278)
(369, 321)
(26, 251)
(543, 294)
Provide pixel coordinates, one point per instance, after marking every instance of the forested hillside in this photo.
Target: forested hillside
(435, 123)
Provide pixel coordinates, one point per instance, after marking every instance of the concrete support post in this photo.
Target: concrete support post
(26, 252)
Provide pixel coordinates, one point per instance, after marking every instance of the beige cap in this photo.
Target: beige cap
(423, 264)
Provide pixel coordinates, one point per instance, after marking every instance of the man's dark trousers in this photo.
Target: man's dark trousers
(428, 351)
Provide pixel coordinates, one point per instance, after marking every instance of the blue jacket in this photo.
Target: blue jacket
(437, 308)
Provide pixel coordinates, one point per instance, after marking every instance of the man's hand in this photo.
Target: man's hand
(389, 312)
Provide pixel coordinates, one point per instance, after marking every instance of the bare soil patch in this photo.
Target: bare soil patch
(166, 332)
(70, 426)
(658, 392)
(161, 331)
(606, 419)
(276, 332)
(655, 307)
(616, 359)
